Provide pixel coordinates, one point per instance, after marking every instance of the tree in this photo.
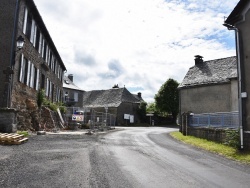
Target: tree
(167, 98)
(151, 108)
(141, 111)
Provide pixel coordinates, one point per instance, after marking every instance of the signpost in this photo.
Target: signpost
(76, 117)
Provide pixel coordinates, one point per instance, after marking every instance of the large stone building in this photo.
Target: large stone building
(239, 21)
(119, 102)
(37, 65)
(73, 95)
(210, 86)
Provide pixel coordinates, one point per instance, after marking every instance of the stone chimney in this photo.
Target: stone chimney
(198, 59)
(139, 94)
(70, 76)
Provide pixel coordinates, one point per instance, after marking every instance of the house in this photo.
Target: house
(72, 94)
(37, 65)
(239, 21)
(117, 101)
(210, 86)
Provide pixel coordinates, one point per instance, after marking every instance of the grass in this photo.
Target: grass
(221, 149)
(24, 133)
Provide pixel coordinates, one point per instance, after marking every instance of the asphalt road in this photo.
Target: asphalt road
(130, 157)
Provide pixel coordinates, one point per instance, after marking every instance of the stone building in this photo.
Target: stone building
(210, 86)
(73, 95)
(239, 21)
(119, 102)
(37, 65)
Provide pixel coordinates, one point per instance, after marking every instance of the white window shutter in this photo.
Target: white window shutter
(32, 76)
(28, 74)
(76, 96)
(37, 79)
(34, 39)
(40, 43)
(25, 20)
(47, 87)
(32, 31)
(21, 69)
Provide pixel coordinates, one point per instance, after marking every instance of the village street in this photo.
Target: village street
(126, 157)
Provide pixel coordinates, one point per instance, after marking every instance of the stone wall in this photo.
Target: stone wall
(31, 118)
(127, 108)
(206, 99)
(217, 135)
(8, 120)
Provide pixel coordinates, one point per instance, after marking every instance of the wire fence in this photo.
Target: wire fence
(89, 118)
(215, 120)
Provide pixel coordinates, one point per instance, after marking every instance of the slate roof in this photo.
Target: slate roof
(110, 98)
(211, 72)
(235, 15)
(44, 30)
(67, 83)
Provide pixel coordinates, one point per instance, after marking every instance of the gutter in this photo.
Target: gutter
(230, 27)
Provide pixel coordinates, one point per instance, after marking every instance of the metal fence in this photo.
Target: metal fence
(215, 120)
(90, 117)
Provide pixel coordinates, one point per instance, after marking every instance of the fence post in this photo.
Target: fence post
(222, 120)
(208, 120)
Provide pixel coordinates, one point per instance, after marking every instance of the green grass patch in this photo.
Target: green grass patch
(221, 149)
(24, 133)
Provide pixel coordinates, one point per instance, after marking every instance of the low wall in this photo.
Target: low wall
(8, 120)
(217, 135)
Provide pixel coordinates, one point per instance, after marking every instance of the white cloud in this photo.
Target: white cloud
(139, 44)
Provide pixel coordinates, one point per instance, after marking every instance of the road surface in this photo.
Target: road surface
(128, 157)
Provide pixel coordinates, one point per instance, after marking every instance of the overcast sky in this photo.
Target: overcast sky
(136, 43)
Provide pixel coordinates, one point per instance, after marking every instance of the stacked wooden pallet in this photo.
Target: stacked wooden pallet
(12, 139)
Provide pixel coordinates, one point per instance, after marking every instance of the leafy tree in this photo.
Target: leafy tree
(141, 111)
(151, 108)
(167, 98)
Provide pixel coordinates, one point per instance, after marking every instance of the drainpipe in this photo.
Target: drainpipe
(230, 27)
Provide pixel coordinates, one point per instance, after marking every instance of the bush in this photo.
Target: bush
(232, 138)
(24, 133)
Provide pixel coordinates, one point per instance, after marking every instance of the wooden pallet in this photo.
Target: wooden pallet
(12, 139)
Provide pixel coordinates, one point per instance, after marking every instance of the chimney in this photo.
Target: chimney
(70, 76)
(139, 94)
(198, 59)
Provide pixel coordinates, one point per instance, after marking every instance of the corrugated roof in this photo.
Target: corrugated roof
(67, 83)
(211, 72)
(109, 98)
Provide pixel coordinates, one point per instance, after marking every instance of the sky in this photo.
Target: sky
(137, 44)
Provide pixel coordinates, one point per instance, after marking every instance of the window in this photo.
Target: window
(76, 96)
(37, 42)
(43, 82)
(50, 59)
(44, 50)
(28, 26)
(52, 91)
(28, 73)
